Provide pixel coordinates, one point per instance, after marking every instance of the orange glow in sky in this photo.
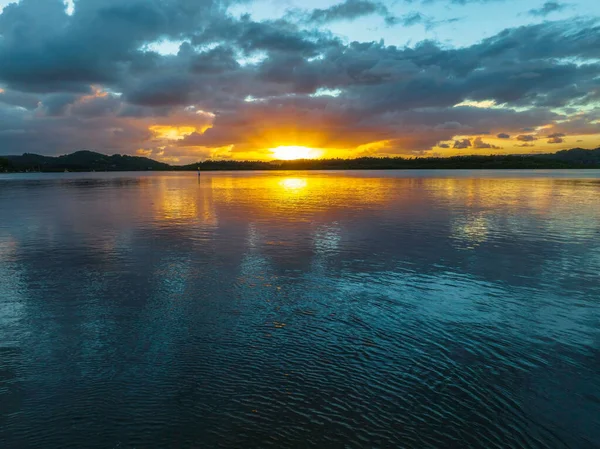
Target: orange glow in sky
(171, 132)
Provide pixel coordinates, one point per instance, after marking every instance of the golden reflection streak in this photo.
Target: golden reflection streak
(259, 196)
(565, 205)
(477, 206)
(300, 195)
(179, 201)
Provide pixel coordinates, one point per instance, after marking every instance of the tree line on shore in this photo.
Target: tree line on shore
(93, 161)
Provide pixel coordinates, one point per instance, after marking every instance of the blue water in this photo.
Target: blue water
(430, 309)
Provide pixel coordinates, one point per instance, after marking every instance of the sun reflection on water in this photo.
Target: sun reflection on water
(473, 204)
(293, 184)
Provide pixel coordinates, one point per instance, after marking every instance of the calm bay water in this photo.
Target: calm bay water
(342, 309)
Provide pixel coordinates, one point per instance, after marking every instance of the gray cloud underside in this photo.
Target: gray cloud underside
(547, 8)
(348, 10)
(354, 9)
(49, 62)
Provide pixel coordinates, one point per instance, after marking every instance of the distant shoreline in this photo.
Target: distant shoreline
(88, 161)
(302, 169)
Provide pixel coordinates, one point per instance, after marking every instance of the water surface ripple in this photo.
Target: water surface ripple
(294, 309)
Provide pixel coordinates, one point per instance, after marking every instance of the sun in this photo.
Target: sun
(288, 153)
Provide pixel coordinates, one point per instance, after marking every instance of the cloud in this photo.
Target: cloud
(166, 90)
(46, 50)
(548, 8)
(57, 104)
(96, 106)
(354, 9)
(219, 60)
(526, 138)
(349, 10)
(462, 144)
(556, 138)
(460, 2)
(480, 144)
(417, 18)
(24, 100)
(258, 83)
(144, 152)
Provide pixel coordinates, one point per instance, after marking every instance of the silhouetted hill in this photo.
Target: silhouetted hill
(5, 164)
(89, 160)
(85, 161)
(579, 156)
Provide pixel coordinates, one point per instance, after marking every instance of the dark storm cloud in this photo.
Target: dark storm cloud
(546, 40)
(57, 104)
(548, 8)
(35, 56)
(503, 136)
(275, 36)
(218, 60)
(43, 49)
(411, 77)
(270, 36)
(169, 90)
(97, 106)
(22, 99)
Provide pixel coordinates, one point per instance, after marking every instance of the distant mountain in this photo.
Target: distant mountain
(89, 160)
(85, 161)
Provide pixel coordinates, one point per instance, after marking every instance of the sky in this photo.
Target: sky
(187, 80)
